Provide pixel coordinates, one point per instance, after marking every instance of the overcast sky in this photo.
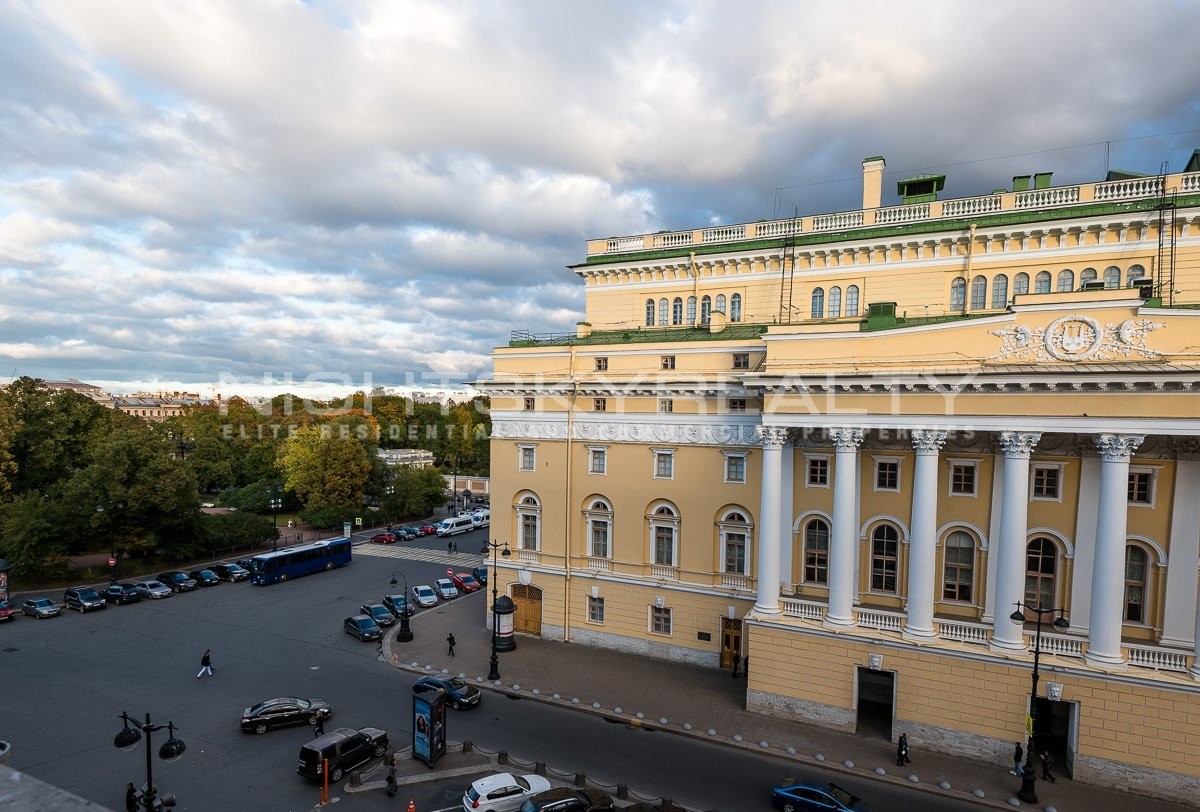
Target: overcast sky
(276, 195)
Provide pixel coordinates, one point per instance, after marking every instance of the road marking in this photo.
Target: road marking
(465, 560)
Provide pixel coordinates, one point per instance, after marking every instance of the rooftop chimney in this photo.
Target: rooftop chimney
(873, 181)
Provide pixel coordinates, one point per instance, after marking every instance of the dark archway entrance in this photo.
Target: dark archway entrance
(876, 703)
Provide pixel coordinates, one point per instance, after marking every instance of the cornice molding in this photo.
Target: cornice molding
(638, 431)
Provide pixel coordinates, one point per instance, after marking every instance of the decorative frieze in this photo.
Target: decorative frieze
(1076, 338)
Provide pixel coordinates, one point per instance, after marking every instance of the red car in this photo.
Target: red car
(427, 529)
(383, 538)
(465, 582)
(6, 611)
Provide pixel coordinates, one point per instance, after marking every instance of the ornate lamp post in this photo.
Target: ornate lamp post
(275, 503)
(171, 749)
(494, 670)
(1027, 792)
(405, 634)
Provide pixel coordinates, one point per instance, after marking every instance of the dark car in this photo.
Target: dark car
(177, 581)
(379, 613)
(480, 574)
(83, 598)
(6, 611)
(204, 577)
(383, 538)
(363, 627)
(284, 711)
(230, 572)
(407, 533)
(39, 607)
(399, 605)
(343, 749)
(122, 593)
(793, 795)
(459, 693)
(568, 799)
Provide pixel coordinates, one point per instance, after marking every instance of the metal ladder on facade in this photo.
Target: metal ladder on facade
(787, 268)
(1164, 271)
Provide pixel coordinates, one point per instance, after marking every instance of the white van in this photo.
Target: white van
(455, 525)
(482, 517)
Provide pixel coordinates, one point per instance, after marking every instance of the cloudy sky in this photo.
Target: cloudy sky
(272, 194)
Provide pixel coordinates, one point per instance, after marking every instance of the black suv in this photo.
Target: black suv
(204, 577)
(568, 799)
(344, 748)
(398, 605)
(230, 572)
(178, 580)
(83, 598)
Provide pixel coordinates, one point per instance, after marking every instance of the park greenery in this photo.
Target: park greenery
(77, 477)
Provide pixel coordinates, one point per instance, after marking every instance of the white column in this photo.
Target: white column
(786, 488)
(768, 532)
(1108, 567)
(1180, 604)
(1014, 525)
(842, 573)
(1087, 508)
(922, 546)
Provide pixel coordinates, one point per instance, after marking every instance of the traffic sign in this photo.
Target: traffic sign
(112, 562)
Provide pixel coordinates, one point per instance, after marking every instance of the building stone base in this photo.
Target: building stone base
(1163, 784)
(642, 648)
(800, 710)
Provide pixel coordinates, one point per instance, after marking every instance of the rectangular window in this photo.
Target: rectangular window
(818, 472)
(664, 464)
(668, 362)
(599, 538)
(595, 610)
(887, 475)
(664, 545)
(1045, 482)
(529, 404)
(1141, 487)
(741, 360)
(528, 458)
(883, 565)
(737, 404)
(597, 460)
(600, 405)
(602, 364)
(666, 405)
(735, 553)
(735, 468)
(962, 479)
(660, 620)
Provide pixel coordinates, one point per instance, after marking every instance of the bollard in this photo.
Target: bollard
(502, 757)
(468, 746)
(539, 768)
(356, 778)
(622, 792)
(580, 780)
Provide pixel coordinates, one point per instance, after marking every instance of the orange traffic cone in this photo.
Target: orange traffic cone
(412, 807)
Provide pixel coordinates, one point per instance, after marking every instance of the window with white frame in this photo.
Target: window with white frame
(963, 477)
(667, 362)
(958, 567)
(887, 474)
(600, 404)
(958, 293)
(595, 608)
(1136, 571)
(664, 530)
(735, 542)
(835, 302)
(597, 459)
(660, 619)
(816, 552)
(1041, 574)
(737, 404)
(1135, 272)
(1021, 284)
(705, 309)
(979, 293)
(527, 454)
(1047, 481)
(720, 305)
(885, 558)
(735, 467)
(1112, 277)
(741, 360)
(529, 520)
(1066, 280)
(735, 307)
(818, 304)
(664, 463)
(666, 405)
(649, 312)
(999, 291)
(677, 310)
(818, 471)
(602, 364)
(691, 310)
(852, 300)
(663, 306)
(1041, 282)
(599, 518)
(529, 404)
(1141, 485)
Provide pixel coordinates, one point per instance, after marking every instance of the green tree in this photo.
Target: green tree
(33, 539)
(324, 467)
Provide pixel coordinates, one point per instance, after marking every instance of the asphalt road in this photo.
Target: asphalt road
(67, 679)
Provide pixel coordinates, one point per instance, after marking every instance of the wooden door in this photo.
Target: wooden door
(731, 640)
(528, 617)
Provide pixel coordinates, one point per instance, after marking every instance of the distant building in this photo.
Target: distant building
(86, 389)
(153, 408)
(408, 457)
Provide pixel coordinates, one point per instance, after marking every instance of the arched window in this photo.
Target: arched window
(1020, 284)
(1066, 280)
(735, 543)
(664, 530)
(1135, 272)
(721, 304)
(677, 311)
(999, 291)
(529, 520)
(816, 552)
(1041, 565)
(958, 570)
(1041, 282)
(705, 309)
(958, 293)
(835, 303)
(691, 310)
(885, 548)
(852, 300)
(979, 293)
(599, 519)
(735, 307)
(1087, 275)
(663, 311)
(818, 303)
(1112, 277)
(649, 312)
(1136, 568)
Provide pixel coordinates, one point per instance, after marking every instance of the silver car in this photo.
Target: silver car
(39, 607)
(153, 589)
(445, 588)
(424, 595)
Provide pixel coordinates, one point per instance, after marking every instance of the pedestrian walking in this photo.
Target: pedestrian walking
(1047, 766)
(450, 547)
(450, 641)
(319, 725)
(205, 664)
(737, 661)
(391, 780)
(1018, 755)
(902, 750)
(131, 798)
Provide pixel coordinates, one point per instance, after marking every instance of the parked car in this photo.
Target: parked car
(502, 792)
(204, 577)
(465, 582)
(343, 749)
(39, 608)
(399, 605)
(363, 627)
(177, 580)
(568, 799)
(459, 693)
(427, 529)
(424, 595)
(407, 533)
(284, 711)
(6, 611)
(383, 538)
(83, 598)
(793, 795)
(445, 589)
(480, 574)
(231, 572)
(153, 589)
(122, 593)
(378, 612)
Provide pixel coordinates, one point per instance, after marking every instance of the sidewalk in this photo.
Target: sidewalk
(644, 691)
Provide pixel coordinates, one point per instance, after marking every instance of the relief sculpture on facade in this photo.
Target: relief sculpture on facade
(1076, 338)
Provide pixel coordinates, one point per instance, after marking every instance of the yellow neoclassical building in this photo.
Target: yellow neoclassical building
(851, 446)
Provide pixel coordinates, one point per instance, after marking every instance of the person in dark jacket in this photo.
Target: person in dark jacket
(902, 750)
(131, 798)
(1047, 766)
(1018, 755)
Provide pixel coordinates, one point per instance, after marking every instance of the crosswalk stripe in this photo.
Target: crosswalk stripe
(463, 560)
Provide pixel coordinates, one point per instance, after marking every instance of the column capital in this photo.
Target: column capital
(926, 441)
(772, 436)
(1019, 444)
(847, 439)
(1118, 447)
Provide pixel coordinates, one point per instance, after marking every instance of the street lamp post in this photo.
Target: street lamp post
(276, 503)
(405, 634)
(494, 670)
(1027, 792)
(171, 749)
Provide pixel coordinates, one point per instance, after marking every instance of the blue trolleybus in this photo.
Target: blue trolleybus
(293, 562)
